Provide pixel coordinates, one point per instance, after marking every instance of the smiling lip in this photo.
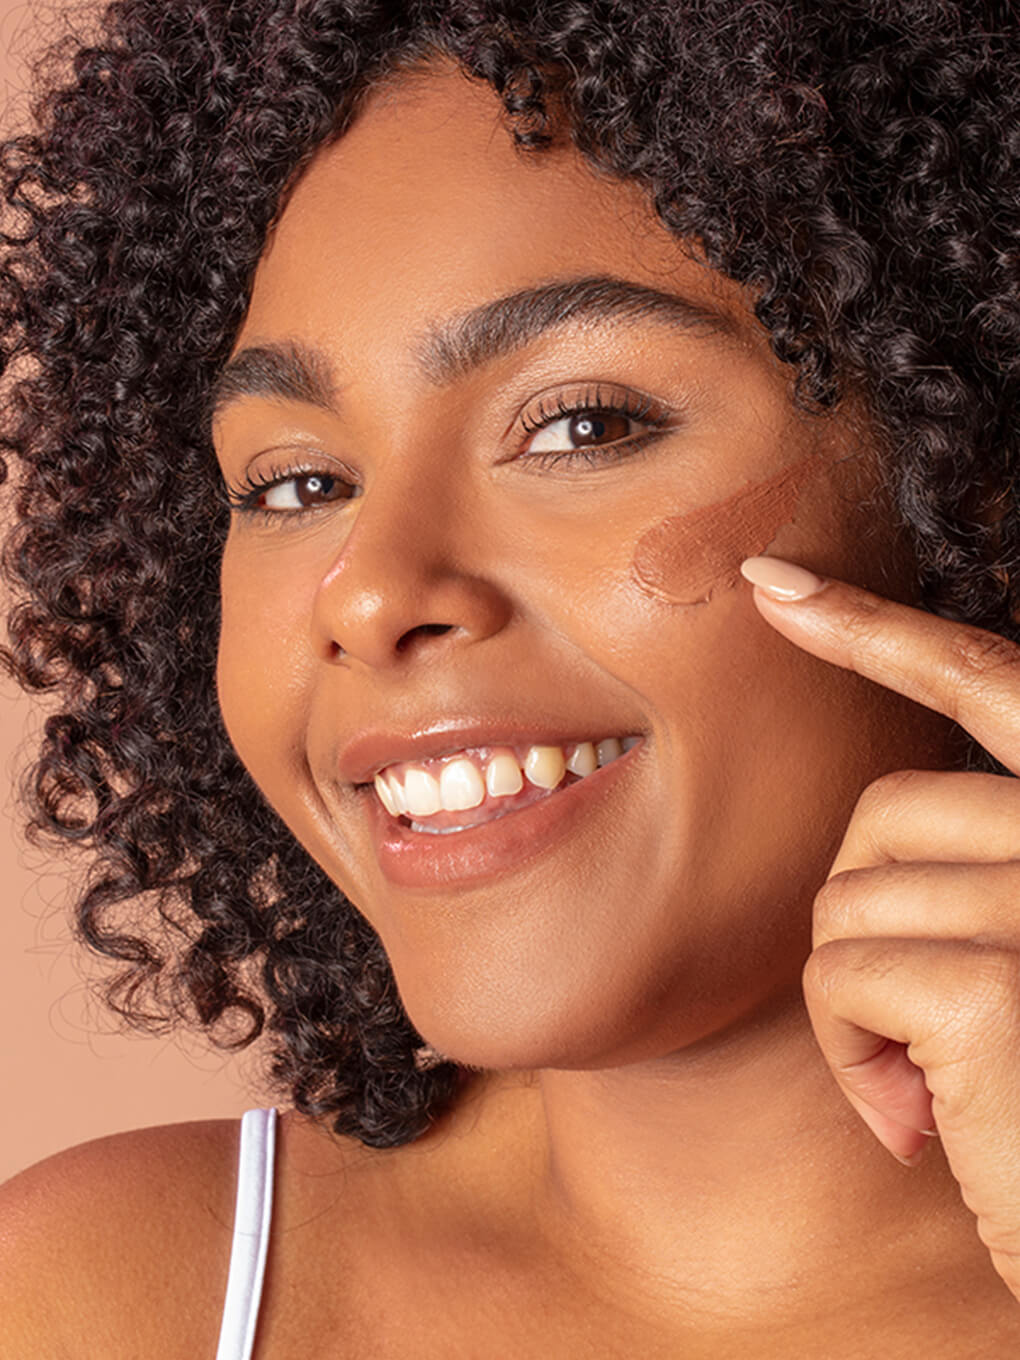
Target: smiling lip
(417, 859)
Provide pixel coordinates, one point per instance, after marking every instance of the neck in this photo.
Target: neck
(733, 1179)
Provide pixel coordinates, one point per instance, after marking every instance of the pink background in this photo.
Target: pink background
(66, 1076)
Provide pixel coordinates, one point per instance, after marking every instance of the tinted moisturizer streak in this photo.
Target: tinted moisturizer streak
(686, 559)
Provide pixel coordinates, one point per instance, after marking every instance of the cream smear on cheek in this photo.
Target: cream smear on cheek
(686, 559)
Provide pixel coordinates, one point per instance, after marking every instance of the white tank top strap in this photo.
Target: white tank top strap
(252, 1215)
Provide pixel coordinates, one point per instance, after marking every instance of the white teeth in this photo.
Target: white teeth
(460, 786)
(608, 750)
(503, 776)
(421, 793)
(397, 794)
(462, 783)
(545, 766)
(383, 790)
(583, 759)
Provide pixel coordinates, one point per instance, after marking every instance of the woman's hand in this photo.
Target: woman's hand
(913, 987)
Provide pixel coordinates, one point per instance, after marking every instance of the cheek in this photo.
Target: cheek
(622, 608)
(261, 667)
(727, 692)
(686, 559)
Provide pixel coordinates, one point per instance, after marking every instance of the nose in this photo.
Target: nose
(408, 579)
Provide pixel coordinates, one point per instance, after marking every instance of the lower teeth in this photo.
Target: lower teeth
(437, 830)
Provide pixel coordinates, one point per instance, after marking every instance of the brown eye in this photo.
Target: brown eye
(316, 487)
(598, 427)
(586, 428)
(306, 491)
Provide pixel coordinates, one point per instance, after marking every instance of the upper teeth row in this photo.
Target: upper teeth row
(461, 784)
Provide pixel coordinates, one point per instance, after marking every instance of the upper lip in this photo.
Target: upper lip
(361, 759)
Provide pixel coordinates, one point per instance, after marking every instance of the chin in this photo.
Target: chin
(500, 1033)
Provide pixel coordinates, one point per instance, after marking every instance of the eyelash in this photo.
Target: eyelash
(242, 497)
(642, 409)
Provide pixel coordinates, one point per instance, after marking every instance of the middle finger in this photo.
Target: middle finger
(919, 900)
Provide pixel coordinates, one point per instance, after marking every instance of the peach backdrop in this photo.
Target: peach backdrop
(65, 1075)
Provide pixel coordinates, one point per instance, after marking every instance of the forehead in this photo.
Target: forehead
(426, 207)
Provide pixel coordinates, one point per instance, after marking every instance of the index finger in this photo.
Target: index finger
(969, 674)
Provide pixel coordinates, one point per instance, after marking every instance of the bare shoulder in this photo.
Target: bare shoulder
(120, 1247)
(106, 1245)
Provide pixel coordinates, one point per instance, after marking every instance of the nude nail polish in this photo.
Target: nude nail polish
(780, 580)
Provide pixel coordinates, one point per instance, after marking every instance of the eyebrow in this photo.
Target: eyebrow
(466, 342)
(288, 370)
(457, 347)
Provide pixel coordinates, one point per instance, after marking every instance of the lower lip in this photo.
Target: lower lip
(418, 859)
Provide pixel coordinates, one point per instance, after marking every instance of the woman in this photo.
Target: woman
(520, 507)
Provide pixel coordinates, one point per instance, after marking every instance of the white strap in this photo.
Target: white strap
(252, 1215)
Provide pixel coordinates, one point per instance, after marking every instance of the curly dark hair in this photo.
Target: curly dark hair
(855, 164)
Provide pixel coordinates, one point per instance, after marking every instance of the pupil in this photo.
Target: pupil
(313, 486)
(595, 427)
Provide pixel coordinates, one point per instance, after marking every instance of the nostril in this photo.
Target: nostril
(424, 629)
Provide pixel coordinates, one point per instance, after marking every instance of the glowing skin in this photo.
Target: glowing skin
(646, 968)
(469, 581)
(687, 559)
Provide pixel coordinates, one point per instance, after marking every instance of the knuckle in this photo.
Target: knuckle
(813, 978)
(978, 654)
(894, 782)
(862, 615)
(831, 899)
(835, 900)
(890, 789)
(826, 968)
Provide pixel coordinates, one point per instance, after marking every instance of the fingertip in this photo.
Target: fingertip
(779, 579)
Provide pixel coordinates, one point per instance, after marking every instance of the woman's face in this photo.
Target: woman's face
(454, 556)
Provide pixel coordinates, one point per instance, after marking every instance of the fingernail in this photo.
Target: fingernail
(780, 580)
(912, 1160)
